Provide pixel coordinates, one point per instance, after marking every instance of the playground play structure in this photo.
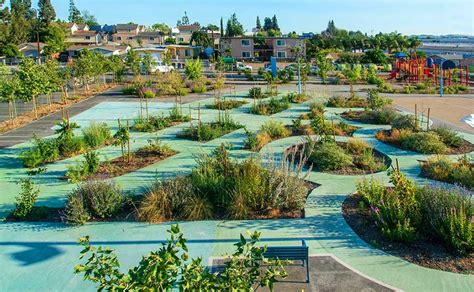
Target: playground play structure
(416, 69)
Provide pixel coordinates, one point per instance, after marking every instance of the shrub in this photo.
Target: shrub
(96, 135)
(255, 93)
(395, 210)
(356, 146)
(405, 122)
(94, 199)
(448, 136)
(82, 170)
(226, 104)
(69, 146)
(346, 102)
(294, 97)
(42, 151)
(447, 215)
(270, 107)
(385, 116)
(441, 168)
(329, 156)
(375, 101)
(26, 199)
(149, 94)
(130, 90)
(274, 129)
(199, 86)
(210, 131)
(424, 142)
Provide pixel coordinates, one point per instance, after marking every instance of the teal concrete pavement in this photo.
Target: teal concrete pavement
(41, 256)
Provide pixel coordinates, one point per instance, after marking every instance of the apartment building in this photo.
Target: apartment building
(135, 35)
(262, 48)
(80, 34)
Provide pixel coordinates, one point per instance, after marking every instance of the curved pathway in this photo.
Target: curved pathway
(41, 256)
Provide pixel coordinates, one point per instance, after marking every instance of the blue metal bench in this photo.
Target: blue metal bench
(291, 253)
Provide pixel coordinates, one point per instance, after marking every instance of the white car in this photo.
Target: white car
(159, 67)
(242, 67)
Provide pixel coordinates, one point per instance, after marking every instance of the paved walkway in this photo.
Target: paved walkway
(28, 248)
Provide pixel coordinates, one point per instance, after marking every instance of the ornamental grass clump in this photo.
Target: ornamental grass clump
(221, 187)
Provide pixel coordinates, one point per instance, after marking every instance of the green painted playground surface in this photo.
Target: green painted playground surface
(41, 256)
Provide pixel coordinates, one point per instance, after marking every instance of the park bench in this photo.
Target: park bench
(290, 253)
(284, 253)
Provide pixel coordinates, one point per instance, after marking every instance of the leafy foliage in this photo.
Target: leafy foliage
(93, 200)
(170, 268)
(26, 199)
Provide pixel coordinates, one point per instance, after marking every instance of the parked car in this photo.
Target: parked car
(159, 67)
(242, 67)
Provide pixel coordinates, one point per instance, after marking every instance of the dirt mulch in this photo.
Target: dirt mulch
(424, 251)
(45, 110)
(466, 146)
(120, 165)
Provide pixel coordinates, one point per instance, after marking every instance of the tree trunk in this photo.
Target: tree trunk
(35, 110)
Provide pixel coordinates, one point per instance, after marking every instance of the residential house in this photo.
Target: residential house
(185, 33)
(449, 60)
(262, 48)
(107, 50)
(136, 36)
(181, 53)
(79, 34)
(30, 50)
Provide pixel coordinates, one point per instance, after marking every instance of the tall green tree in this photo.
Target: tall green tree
(234, 27)
(258, 23)
(74, 13)
(133, 61)
(55, 38)
(275, 25)
(89, 19)
(47, 14)
(222, 26)
(201, 38)
(162, 27)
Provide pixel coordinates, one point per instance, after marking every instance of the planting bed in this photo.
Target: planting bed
(423, 251)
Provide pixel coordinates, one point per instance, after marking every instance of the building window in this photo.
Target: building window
(245, 54)
(281, 54)
(181, 40)
(281, 43)
(88, 37)
(245, 43)
(152, 39)
(187, 53)
(119, 38)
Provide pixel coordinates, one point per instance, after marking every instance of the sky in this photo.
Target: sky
(369, 16)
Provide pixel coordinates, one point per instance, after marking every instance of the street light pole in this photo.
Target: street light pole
(441, 78)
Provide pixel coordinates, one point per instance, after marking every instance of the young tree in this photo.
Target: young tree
(8, 90)
(324, 66)
(46, 12)
(32, 82)
(84, 68)
(193, 69)
(133, 61)
(222, 26)
(353, 75)
(118, 68)
(148, 62)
